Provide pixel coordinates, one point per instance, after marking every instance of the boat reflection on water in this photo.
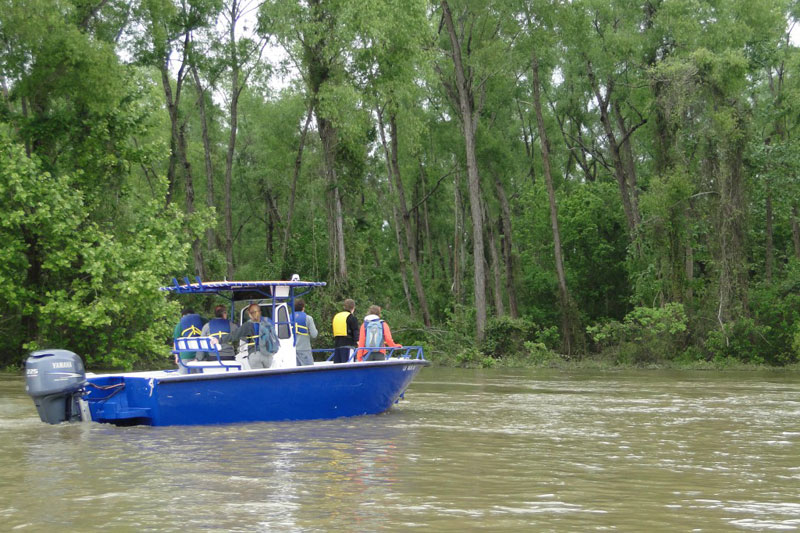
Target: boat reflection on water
(279, 476)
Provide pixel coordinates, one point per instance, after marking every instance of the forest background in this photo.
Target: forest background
(514, 182)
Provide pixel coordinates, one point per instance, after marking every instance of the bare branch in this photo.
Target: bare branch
(425, 198)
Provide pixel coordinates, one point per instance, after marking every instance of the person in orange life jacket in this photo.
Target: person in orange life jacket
(374, 333)
(190, 325)
(305, 330)
(345, 332)
(217, 327)
(257, 332)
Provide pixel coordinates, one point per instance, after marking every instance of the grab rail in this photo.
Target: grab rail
(400, 352)
(200, 344)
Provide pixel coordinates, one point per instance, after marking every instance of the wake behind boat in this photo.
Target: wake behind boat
(224, 391)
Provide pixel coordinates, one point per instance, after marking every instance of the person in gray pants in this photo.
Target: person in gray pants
(304, 331)
(256, 333)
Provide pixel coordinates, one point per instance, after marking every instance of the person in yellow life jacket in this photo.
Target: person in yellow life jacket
(345, 332)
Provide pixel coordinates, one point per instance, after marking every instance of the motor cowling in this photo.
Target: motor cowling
(55, 379)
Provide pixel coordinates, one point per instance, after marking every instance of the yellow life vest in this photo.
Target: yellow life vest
(340, 324)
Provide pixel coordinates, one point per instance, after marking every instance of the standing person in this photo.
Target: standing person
(304, 331)
(345, 332)
(259, 332)
(375, 333)
(217, 327)
(190, 325)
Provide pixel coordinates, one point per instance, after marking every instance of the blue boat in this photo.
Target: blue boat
(225, 391)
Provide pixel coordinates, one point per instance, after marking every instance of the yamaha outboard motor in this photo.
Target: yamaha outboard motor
(55, 380)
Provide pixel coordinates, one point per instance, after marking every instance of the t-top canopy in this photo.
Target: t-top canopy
(241, 290)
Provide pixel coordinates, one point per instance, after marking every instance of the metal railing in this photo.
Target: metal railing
(377, 354)
(201, 344)
(205, 344)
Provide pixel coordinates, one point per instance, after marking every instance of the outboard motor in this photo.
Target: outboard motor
(55, 380)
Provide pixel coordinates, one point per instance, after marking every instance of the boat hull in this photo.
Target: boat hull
(302, 393)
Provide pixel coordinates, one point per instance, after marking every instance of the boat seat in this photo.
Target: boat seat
(202, 344)
(199, 367)
(203, 364)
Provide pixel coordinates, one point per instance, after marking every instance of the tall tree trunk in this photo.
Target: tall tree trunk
(769, 244)
(528, 138)
(243, 58)
(507, 246)
(689, 272)
(298, 162)
(626, 155)
(614, 146)
(469, 122)
(340, 252)
(201, 106)
(228, 192)
(401, 256)
(172, 110)
(776, 88)
(173, 106)
(28, 147)
(567, 321)
(270, 222)
(731, 259)
(197, 250)
(234, 124)
(796, 231)
(267, 226)
(428, 241)
(319, 64)
(327, 135)
(33, 275)
(396, 178)
(497, 278)
(178, 150)
(458, 231)
(445, 259)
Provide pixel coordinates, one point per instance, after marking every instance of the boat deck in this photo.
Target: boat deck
(211, 367)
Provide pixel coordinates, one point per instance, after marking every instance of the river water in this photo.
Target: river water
(494, 450)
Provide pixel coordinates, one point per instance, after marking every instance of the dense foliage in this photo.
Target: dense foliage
(509, 180)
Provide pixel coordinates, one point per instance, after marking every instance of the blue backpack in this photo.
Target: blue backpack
(267, 340)
(373, 334)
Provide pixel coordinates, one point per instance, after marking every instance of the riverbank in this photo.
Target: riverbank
(549, 359)
(544, 358)
(541, 357)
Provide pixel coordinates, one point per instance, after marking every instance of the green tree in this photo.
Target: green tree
(66, 282)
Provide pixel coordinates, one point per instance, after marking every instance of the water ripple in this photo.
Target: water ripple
(495, 450)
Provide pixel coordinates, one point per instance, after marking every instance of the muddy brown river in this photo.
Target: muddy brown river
(467, 450)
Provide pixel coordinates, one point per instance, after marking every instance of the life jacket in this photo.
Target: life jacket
(217, 327)
(373, 333)
(300, 323)
(340, 324)
(190, 325)
(252, 340)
